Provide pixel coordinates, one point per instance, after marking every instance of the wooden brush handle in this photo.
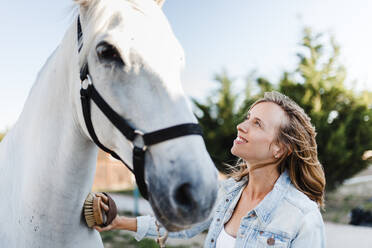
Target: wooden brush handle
(111, 214)
(97, 210)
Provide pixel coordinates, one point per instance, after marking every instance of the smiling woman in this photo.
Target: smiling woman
(295, 137)
(275, 192)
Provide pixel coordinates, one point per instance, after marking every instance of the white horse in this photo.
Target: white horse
(47, 160)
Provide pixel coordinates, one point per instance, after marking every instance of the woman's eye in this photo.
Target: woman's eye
(257, 123)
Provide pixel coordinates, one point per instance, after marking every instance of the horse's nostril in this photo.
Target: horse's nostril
(183, 196)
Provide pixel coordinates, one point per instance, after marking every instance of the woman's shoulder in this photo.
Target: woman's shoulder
(300, 201)
(294, 211)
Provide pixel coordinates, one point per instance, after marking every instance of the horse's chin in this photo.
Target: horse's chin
(161, 216)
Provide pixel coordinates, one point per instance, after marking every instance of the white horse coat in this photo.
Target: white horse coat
(47, 160)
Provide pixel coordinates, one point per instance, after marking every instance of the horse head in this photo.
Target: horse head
(135, 63)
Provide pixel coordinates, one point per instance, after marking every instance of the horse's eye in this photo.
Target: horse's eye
(108, 53)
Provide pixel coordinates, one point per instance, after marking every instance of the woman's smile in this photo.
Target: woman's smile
(240, 140)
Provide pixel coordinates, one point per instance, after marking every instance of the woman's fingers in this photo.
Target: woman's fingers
(102, 229)
(115, 225)
(104, 206)
(99, 229)
(104, 198)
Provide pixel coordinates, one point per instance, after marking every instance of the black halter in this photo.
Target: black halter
(88, 92)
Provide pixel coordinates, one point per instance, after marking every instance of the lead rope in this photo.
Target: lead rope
(161, 239)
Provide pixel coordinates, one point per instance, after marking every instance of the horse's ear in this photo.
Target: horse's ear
(160, 2)
(83, 3)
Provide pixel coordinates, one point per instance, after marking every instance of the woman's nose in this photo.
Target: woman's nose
(242, 127)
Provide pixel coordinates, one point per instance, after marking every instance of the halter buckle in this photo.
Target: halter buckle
(138, 142)
(86, 82)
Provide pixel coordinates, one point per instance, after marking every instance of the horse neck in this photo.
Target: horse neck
(58, 159)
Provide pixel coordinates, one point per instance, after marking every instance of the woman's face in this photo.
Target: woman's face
(255, 142)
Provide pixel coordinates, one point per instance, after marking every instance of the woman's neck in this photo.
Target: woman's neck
(261, 182)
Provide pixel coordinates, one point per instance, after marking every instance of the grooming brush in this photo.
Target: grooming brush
(95, 215)
(92, 210)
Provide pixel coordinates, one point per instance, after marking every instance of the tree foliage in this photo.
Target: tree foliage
(218, 119)
(342, 117)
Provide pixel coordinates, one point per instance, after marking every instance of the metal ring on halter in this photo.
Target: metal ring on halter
(139, 133)
(85, 85)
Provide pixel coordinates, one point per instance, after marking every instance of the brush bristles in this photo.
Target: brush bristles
(88, 210)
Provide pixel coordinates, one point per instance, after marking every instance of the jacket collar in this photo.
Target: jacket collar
(266, 207)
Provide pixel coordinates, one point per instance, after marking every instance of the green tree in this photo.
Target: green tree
(342, 118)
(218, 119)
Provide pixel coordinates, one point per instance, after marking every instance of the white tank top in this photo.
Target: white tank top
(224, 240)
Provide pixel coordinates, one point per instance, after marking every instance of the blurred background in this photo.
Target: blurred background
(317, 52)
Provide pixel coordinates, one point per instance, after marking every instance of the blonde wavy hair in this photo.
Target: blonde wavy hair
(297, 135)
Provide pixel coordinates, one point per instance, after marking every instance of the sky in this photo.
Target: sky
(238, 36)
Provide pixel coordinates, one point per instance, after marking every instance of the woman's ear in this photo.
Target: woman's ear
(278, 150)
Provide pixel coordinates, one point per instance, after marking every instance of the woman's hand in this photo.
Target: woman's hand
(116, 224)
(119, 222)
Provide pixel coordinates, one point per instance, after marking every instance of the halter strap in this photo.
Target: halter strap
(88, 92)
(117, 120)
(79, 35)
(85, 101)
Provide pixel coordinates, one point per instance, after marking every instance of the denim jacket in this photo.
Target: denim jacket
(284, 218)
